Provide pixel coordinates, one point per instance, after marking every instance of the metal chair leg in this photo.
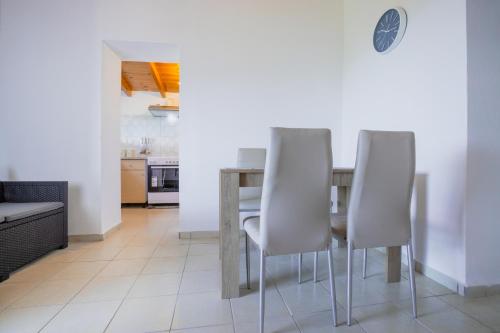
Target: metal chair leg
(333, 294)
(365, 257)
(411, 270)
(300, 268)
(247, 258)
(315, 273)
(349, 282)
(262, 291)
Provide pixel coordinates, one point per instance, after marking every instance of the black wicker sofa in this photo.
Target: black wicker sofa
(33, 222)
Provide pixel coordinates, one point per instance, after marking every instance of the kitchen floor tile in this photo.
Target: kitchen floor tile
(136, 252)
(246, 307)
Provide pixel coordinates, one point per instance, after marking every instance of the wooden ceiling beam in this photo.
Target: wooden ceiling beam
(157, 78)
(126, 87)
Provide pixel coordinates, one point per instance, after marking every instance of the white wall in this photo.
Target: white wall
(110, 140)
(245, 66)
(483, 179)
(420, 86)
(50, 58)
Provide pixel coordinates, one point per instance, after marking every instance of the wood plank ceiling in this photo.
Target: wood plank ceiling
(150, 76)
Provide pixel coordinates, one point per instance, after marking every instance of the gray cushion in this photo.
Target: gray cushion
(11, 211)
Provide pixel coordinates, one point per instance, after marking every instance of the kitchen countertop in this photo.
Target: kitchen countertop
(142, 157)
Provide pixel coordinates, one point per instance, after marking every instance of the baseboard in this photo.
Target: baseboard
(478, 291)
(198, 234)
(94, 237)
(86, 238)
(437, 276)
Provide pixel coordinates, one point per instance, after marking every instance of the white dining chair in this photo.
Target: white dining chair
(295, 207)
(379, 208)
(250, 158)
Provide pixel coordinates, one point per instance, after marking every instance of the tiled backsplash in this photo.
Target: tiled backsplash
(163, 131)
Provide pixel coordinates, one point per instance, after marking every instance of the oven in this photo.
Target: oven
(163, 181)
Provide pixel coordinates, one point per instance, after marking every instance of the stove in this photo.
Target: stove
(163, 180)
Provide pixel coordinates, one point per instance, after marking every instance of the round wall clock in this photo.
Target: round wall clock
(390, 30)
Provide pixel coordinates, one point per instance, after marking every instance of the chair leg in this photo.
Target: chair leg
(315, 273)
(262, 291)
(411, 270)
(300, 268)
(247, 258)
(349, 282)
(333, 295)
(365, 255)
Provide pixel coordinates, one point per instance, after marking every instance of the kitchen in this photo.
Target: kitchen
(149, 134)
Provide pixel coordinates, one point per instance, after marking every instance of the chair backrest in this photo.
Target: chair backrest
(295, 207)
(251, 158)
(379, 207)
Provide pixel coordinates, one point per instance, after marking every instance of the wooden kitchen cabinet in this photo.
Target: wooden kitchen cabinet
(134, 181)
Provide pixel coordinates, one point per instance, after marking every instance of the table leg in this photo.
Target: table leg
(229, 234)
(393, 264)
(343, 193)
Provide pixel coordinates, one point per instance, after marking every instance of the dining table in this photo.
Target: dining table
(231, 179)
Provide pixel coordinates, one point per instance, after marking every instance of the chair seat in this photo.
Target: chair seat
(252, 228)
(339, 226)
(250, 205)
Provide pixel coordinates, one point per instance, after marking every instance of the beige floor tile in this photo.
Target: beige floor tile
(322, 322)
(26, 320)
(155, 285)
(386, 318)
(112, 288)
(207, 329)
(64, 255)
(57, 292)
(99, 253)
(143, 315)
(164, 265)
(202, 263)
(36, 272)
(246, 307)
(83, 318)
(201, 281)
(485, 309)
(306, 298)
(197, 310)
(136, 252)
(163, 251)
(203, 249)
(123, 267)
(80, 270)
(440, 317)
(275, 324)
(10, 293)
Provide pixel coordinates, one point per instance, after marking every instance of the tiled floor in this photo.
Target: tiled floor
(144, 279)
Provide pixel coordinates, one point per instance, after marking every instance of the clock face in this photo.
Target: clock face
(389, 30)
